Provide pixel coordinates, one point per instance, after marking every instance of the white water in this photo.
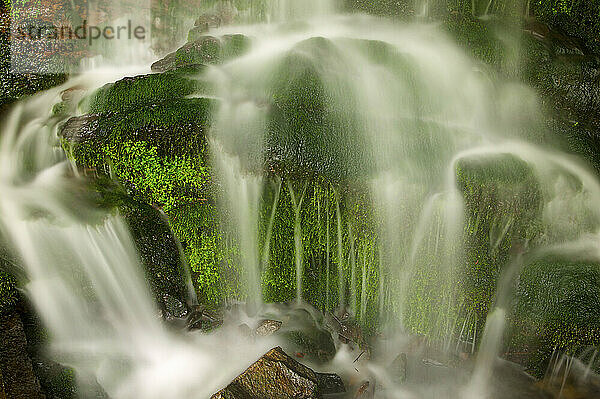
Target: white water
(418, 122)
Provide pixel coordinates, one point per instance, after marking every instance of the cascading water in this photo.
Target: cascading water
(418, 113)
(407, 114)
(86, 280)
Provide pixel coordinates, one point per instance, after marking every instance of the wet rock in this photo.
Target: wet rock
(223, 14)
(277, 376)
(173, 307)
(2, 393)
(268, 327)
(348, 330)
(18, 378)
(307, 337)
(557, 42)
(203, 50)
(174, 127)
(365, 391)
(132, 92)
(204, 319)
(159, 252)
(398, 368)
(330, 383)
(80, 129)
(521, 385)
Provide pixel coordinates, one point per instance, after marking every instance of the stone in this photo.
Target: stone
(204, 319)
(308, 338)
(365, 391)
(18, 378)
(2, 393)
(277, 376)
(203, 50)
(80, 129)
(268, 327)
(398, 368)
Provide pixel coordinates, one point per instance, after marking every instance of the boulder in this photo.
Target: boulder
(206, 320)
(307, 337)
(204, 50)
(277, 376)
(18, 378)
(131, 92)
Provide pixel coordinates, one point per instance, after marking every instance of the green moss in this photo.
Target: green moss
(207, 251)
(503, 215)
(576, 18)
(133, 92)
(8, 291)
(556, 310)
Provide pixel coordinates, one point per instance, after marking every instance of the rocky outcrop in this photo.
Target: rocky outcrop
(12, 85)
(204, 50)
(18, 378)
(277, 376)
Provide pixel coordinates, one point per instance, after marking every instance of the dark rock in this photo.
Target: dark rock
(173, 307)
(277, 376)
(175, 127)
(521, 385)
(205, 320)
(2, 393)
(19, 380)
(222, 14)
(307, 337)
(80, 128)
(268, 327)
(330, 383)
(348, 330)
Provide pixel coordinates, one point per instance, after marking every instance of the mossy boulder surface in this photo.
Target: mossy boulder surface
(129, 93)
(556, 309)
(204, 50)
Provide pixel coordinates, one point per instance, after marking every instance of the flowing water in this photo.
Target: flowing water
(415, 111)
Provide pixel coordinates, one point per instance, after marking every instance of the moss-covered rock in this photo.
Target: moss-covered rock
(8, 291)
(156, 244)
(556, 310)
(503, 210)
(203, 50)
(132, 92)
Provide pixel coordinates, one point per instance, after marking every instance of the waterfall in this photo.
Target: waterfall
(399, 110)
(85, 277)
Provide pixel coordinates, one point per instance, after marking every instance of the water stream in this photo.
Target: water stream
(417, 110)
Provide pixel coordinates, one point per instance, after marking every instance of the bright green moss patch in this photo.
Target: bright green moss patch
(167, 181)
(205, 247)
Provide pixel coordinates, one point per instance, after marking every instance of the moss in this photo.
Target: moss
(576, 18)
(132, 92)
(207, 251)
(503, 215)
(556, 310)
(158, 150)
(8, 291)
